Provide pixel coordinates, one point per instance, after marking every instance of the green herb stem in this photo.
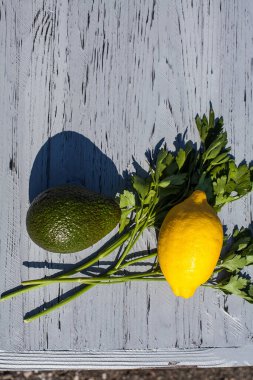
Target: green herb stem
(138, 259)
(81, 292)
(78, 293)
(137, 233)
(94, 280)
(130, 243)
(78, 268)
(59, 304)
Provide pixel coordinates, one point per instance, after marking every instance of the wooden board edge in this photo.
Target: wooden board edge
(130, 359)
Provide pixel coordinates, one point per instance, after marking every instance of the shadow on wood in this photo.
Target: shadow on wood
(69, 157)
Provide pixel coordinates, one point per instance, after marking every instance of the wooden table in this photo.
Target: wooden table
(86, 88)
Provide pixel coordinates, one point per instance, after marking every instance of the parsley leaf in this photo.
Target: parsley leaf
(127, 199)
(141, 185)
(180, 159)
(228, 181)
(235, 285)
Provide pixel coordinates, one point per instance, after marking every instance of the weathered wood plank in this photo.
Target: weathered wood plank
(203, 358)
(123, 75)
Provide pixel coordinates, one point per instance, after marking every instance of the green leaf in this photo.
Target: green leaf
(220, 159)
(249, 260)
(232, 170)
(162, 154)
(240, 252)
(251, 174)
(250, 291)
(177, 179)
(217, 170)
(124, 220)
(219, 123)
(180, 159)
(233, 263)
(198, 124)
(230, 187)
(150, 197)
(211, 118)
(189, 147)
(249, 294)
(202, 126)
(219, 186)
(167, 192)
(236, 232)
(235, 285)
(238, 286)
(242, 246)
(165, 182)
(170, 170)
(240, 175)
(168, 159)
(241, 243)
(140, 185)
(127, 199)
(204, 122)
(160, 165)
(215, 147)
(214, 133)
(211, 154)
(242, 171)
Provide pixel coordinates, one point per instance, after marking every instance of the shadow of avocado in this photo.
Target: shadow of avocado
(69, 157)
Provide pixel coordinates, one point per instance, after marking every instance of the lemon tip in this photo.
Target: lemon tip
(198, 196)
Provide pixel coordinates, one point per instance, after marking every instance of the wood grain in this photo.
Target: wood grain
(123, 75)
(203, 358)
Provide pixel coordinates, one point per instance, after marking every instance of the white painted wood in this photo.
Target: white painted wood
(124, 75)
(128, 359)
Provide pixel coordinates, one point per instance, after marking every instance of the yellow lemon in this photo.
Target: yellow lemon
(189, 244)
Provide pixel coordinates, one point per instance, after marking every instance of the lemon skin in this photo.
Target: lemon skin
(189, 244)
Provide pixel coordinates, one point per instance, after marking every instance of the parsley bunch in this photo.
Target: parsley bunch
(171, 177)
(232, 264)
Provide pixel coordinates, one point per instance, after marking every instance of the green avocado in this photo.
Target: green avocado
(70, 218)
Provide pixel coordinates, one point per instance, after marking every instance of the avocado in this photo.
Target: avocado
(70, 218)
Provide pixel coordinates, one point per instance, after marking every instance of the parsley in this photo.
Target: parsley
(232, 264)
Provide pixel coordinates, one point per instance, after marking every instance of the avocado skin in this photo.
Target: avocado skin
(70, 218)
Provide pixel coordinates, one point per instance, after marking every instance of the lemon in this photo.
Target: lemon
(189, 244)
